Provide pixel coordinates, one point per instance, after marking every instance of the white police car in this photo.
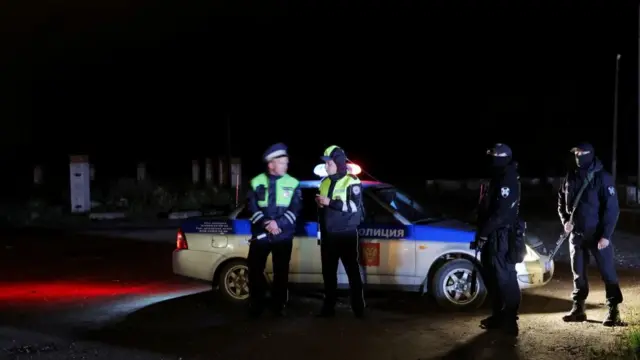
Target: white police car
(404, 246)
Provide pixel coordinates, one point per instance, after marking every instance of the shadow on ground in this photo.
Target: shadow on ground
(192, 325)
(487, 345)
(424, 305)
(540, 304)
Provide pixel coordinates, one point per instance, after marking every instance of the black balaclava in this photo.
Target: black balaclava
(584, 161)
(499, 163)
(340, 158)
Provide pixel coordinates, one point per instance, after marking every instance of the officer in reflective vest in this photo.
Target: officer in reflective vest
(274, 201)
(340, 212)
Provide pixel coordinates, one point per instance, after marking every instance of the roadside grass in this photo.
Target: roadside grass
(626, 345)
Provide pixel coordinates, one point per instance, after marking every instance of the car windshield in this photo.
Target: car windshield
(406, 206)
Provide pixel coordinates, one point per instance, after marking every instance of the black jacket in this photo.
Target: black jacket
(598, 209)
(342, 215)
(499, 206)
(285, 217)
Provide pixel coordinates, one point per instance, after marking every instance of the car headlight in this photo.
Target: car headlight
(531, 254)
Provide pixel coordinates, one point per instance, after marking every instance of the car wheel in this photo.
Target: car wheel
(452, 289)
(233, 283)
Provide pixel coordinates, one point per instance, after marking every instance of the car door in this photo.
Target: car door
(243, 216)
(387, 258)
(306, 253)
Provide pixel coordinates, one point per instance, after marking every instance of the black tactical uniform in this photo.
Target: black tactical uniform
(497, 217)
(595, 218)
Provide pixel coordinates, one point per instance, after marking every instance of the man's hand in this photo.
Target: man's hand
(480, 241)
(322, 200)
(603, 243)
(272, 227)
(568, 227)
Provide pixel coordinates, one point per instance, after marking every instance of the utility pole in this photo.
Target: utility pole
(638, 178)
(614, 160)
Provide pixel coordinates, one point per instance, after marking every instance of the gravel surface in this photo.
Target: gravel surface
(627, 245)
(164, 317)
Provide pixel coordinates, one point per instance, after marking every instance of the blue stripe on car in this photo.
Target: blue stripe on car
(432, 233)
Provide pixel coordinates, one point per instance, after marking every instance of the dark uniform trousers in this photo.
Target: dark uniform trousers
(344, 247)
(580, 248)
(500, 274)
(281, 256)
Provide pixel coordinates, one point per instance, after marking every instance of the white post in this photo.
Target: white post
(142, 171)
(236, 172)
(37, 175)
(80, 183)
(208, 171)
(236, 175)
(222, 171)
(195, 171)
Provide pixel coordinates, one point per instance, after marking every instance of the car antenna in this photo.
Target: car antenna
(364, 171)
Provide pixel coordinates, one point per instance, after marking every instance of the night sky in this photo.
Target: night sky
(409, 91)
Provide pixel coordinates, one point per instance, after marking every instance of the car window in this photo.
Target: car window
(374, 213)
(309, 208)
(406, 206)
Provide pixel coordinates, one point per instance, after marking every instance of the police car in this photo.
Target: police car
(404, 246)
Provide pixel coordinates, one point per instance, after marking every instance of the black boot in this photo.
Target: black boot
(279, 311)
(326, 312)
(492, 322)
(613, 317)
(510, 326)
(358, 313)
(577, 313)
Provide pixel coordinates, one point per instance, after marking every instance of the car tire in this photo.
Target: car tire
(233, 281)
(452, 274)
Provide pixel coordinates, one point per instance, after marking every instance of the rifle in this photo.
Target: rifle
(475, 246)
(474, 273)
(565, 235)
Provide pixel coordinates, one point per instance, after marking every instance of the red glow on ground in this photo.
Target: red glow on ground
(35, 292)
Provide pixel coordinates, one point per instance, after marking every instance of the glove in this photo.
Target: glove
(479, 241)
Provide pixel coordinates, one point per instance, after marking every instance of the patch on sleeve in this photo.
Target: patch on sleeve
(612, 190)
(505, 191)
(356, 189)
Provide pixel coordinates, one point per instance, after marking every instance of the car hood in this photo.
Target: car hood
(531, 239)
(455, 224)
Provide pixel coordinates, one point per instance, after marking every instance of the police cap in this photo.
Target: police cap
(275, 151)
(584, 147)
(500, 150)
(333, 152)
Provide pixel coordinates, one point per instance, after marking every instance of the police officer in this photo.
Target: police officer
(274, 201)
(497, 216)
(591, 230)
(340, 213)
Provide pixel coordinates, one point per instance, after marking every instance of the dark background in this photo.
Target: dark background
(411, 91)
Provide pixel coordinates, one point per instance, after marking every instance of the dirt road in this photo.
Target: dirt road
(89, 297)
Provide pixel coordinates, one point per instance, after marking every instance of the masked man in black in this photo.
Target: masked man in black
(497, 217)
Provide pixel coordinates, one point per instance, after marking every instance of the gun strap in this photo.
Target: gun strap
(576, 201)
